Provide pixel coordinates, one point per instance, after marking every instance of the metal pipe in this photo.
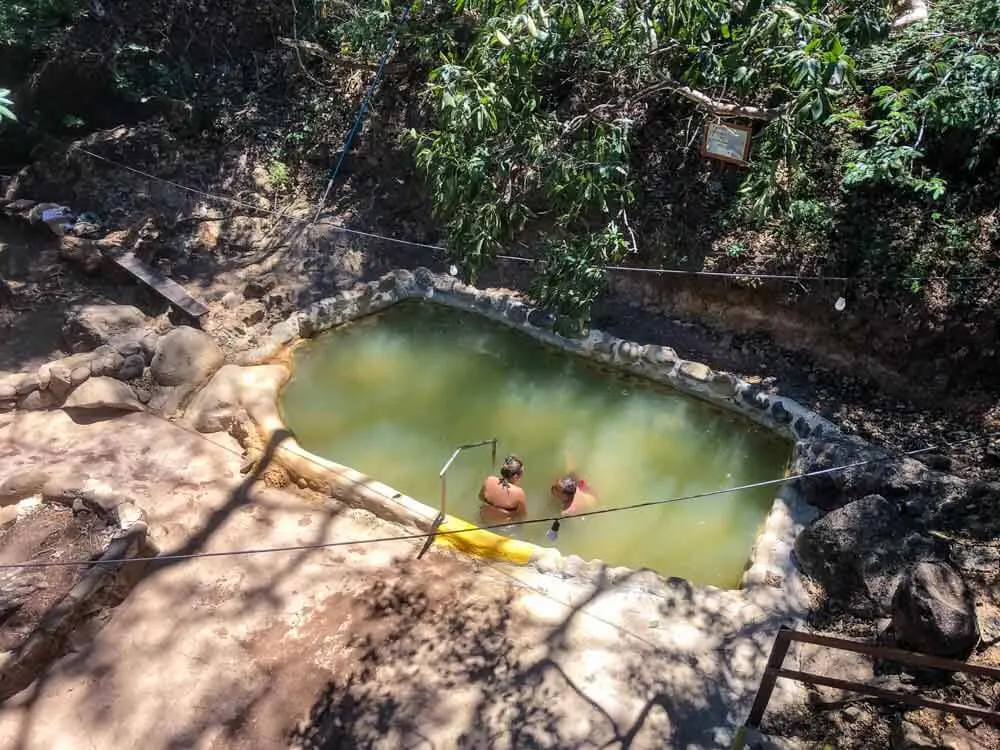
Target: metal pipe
(444, 492)
(449, 462)
(444, 469)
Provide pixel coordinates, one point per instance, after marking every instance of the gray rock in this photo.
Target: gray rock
(232, 300)
(22, 484)
(881, 473)
(106, 361)
(132, 367)
(230, 389)
(934, 612)
(103, 393)
(39, 401)
(128, 514)
(185, 356)
(695, 371)
(860, 551)
(27, 384)
(257, 288)
(911, 736)
(780, 413)
(90, 326)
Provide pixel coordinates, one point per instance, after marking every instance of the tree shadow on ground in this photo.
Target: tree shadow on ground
(445, 662)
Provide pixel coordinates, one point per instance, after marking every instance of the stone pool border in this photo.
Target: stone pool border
(771, 562)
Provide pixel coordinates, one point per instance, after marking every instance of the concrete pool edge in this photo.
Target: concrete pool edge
(771, 562)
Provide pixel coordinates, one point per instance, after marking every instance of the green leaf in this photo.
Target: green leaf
(502, 38)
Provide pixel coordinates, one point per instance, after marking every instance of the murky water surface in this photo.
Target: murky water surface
(394, 394)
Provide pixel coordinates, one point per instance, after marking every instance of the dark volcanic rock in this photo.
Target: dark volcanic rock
(872, 471)
(860, 551)
(933, 612)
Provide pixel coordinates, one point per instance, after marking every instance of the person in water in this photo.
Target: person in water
(502, 497)
(574, 494)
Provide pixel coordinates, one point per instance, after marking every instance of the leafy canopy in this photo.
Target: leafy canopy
(534, 106)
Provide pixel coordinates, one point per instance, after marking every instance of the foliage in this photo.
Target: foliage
(31, 23)
(531, 111)
(938, 84)
(6, 105)
(534, 112)
(572, 273)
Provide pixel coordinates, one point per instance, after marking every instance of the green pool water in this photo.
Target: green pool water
(393, 395)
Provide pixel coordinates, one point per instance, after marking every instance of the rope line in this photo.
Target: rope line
(361, 111)
(517, 258)
(488, 527)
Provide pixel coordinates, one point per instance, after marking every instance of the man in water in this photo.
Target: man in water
(574, 494)
(502, 498)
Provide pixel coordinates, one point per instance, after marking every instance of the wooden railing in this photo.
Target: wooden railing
(786, 636)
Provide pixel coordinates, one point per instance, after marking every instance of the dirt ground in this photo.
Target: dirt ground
(359, 645)
(45, 534)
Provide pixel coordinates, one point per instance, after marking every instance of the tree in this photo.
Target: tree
(533, 106)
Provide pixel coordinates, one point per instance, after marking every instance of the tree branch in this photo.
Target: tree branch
(716, 107)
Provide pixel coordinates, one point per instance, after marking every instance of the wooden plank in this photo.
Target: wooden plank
(912, 700)
(162, 284)
(778, 652)
(896, 654)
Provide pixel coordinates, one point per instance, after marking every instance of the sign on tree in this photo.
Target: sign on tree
(726, 142)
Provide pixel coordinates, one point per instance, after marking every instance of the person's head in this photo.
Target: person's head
(565, 490)
(512, 469)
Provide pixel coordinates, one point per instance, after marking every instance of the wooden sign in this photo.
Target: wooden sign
(726, 142)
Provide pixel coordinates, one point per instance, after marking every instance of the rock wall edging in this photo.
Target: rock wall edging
(771, 562)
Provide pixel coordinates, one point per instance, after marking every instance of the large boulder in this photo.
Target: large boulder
(231, 389)
(933, 612)
(872, 471)
(185, 356)
(90, 326)
(103, 393)
(860, 551)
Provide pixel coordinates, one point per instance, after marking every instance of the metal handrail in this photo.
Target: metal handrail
(450, 461)
(786, 636)
(444, 488)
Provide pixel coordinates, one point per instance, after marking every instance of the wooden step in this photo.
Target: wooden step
(162, 284)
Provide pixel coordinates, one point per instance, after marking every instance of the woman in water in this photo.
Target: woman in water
(574, 495)
(571, 491)
(502, 498)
